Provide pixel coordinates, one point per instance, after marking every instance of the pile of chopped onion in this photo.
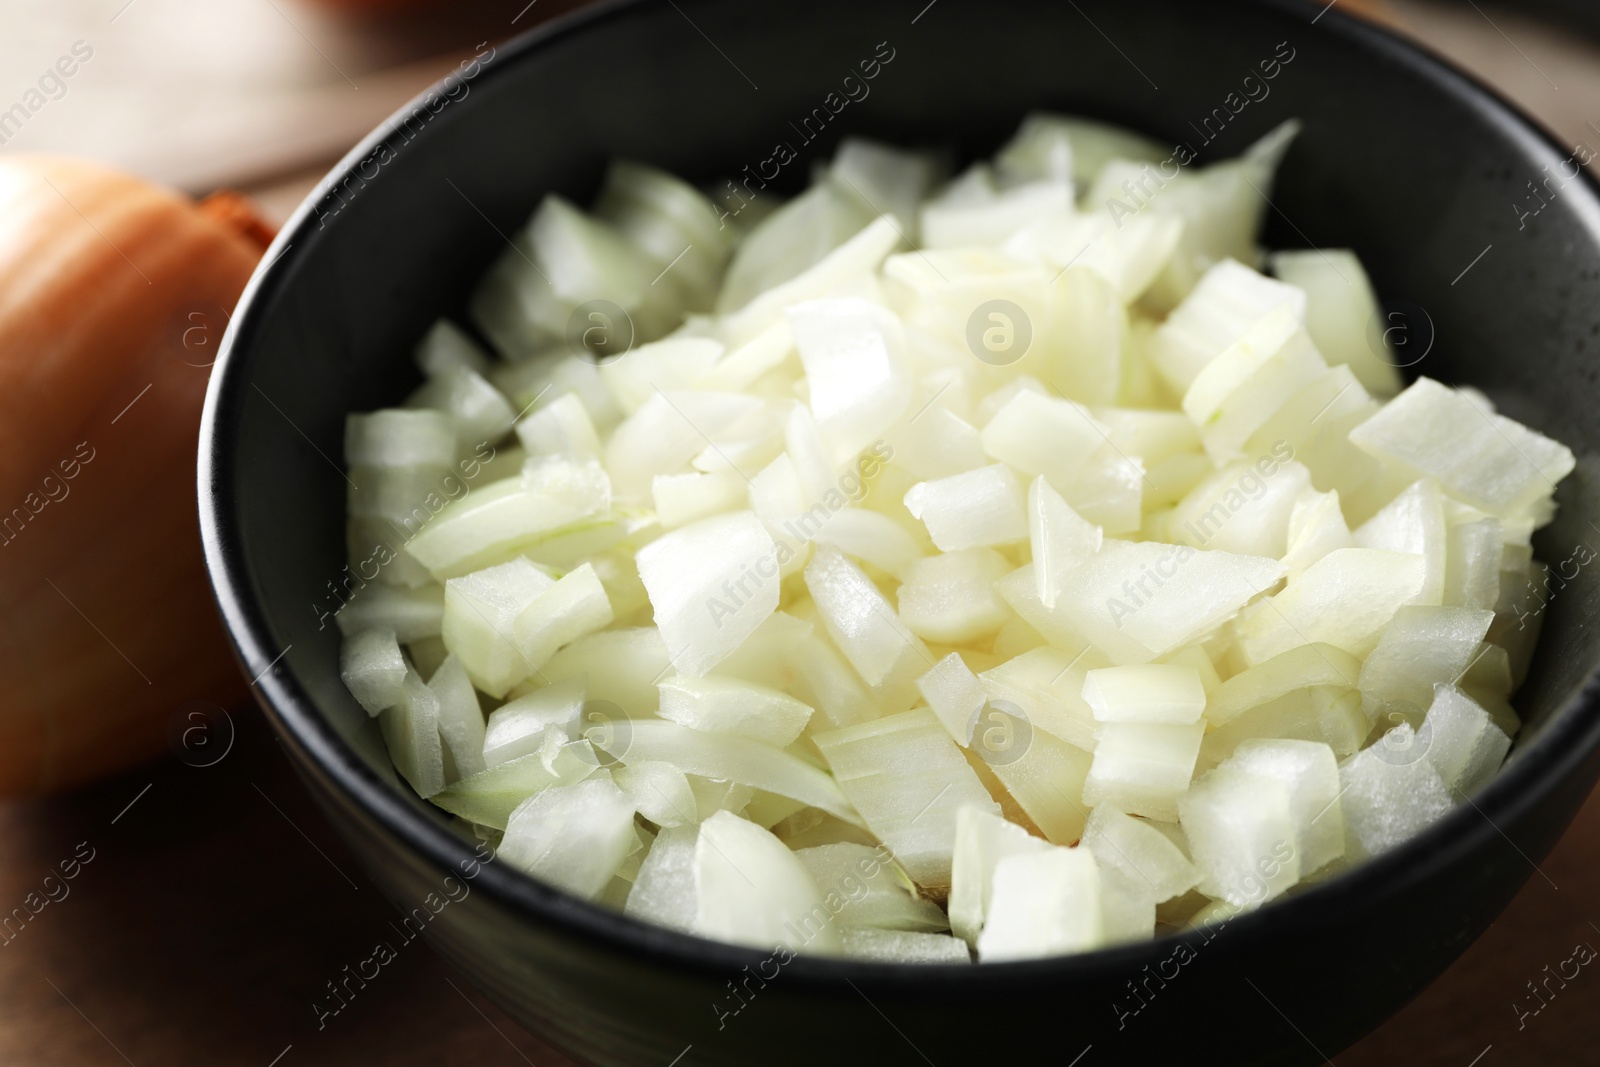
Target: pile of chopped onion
(1015, 574)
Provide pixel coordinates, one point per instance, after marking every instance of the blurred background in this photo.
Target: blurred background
(216, 907)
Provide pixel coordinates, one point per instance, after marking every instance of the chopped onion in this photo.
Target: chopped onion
(1002, 554)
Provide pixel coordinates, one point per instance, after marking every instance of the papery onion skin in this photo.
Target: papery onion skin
(108, 285)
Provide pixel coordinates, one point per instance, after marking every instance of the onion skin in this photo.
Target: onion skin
(108, 285)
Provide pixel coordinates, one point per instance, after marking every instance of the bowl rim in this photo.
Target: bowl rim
(1564, 743)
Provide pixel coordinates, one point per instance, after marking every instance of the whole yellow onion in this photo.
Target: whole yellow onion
(113, 297)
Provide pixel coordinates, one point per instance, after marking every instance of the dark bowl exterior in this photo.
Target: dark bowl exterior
(1408, 162)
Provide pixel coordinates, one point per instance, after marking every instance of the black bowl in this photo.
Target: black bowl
(1417, 167)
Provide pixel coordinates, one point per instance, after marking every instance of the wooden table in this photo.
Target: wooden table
(218, 903)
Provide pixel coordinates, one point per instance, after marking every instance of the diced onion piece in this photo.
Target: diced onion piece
(684, 498)
(1328, 714)
(785, 243)
(1127, 910)
(901, 946)
(1341, 310)
(446, 345)
(1021, 591)
(983, 839)
(1249, 380)
(412, 614)
(399, 438)
(955, 695)
(1241, 832)
(1066, 147)
(951, 597)
(1315, 423)
(620, 667)
(411, 732)
(1143, 768)
(977, 509)
(670, 363)
(1043, 435)
(729, 705)
(1309, 773)
(576, 605)
(711, 584)
(1047, 782)
(937, 443)
(908, 780)
(489, 797)
(865, 627)
(372, 666)
(481, 610)
(871, 537)
(712, 795)
(1244, 507)
(671, 221)
(1146, 692)
(1464, 745)
(742, 367)
(1344, 599)
(1473, 555)
(517, 727)
(1043, 904)
(1061, 539)
(1317, 527)
(1422, 647)
(1297, 668)
(1046, 686)
(1138, 601)
(494, 522)
(477, 411)
(1390, 791)
(664, 890)
(751, 890)
(990, 221)
(668, 431)
(560, 428)
(572, 836)
(854, 258)
(1127, 253)
(856, 369)
(886, 180)
(732, 758)
(1412, 522)
(871, 888)
(461, 722)
(659, 791)
(1487, 460)
(1229, 299)
(1150, 860)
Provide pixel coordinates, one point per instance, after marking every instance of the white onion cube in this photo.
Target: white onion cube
(574, 837)
(1143, 768)
(1043, 904)
(1391, 792)
(908, 780)
(711, 584)
(978, 508)
(1487, 460)
(374, 669)
(729, 705)
(751, 890)
(1241, 832)
(1145, 692)
(1464, 745)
